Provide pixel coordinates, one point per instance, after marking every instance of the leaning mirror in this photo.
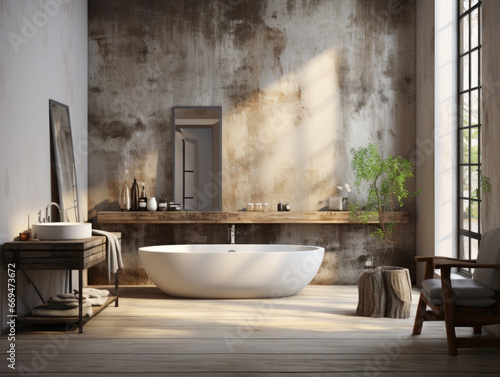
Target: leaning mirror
(197, 157)
(64, 160)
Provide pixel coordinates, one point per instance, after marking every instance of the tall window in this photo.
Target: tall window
(469, 127)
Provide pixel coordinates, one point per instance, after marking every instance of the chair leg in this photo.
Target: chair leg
(478, 330)
(449, 312)
(419, 316)
(450, 332)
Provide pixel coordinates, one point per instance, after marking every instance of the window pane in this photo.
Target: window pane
(464, 5)
(474, 181)
(474, 29)
(474, 213)
(474, 145)
(464, 72)
(464, 209)
(474, 247)
(474, 61)
(464, 181)
(464, 146)
(463, 251)
(464, 34)
(474, 102)
(463, 107)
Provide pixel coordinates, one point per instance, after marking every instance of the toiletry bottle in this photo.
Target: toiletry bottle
(280, 206)
(143, 200)
(125, 198)
(135, 196)
(287, 206)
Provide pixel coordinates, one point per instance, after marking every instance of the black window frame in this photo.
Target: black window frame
(468, 132)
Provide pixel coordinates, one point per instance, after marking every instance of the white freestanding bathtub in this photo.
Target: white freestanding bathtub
(231, 271)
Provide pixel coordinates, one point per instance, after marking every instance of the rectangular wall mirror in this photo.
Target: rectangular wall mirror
(64, 160)
(198, 157)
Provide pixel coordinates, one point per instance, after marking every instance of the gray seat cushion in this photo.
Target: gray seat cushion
(466, 292)
(489, 253)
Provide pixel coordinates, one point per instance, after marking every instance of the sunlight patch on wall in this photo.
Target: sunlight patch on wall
(285, 134)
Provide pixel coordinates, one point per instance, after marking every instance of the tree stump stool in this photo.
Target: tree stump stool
(385, 292)
(398, 288)
(372, 296)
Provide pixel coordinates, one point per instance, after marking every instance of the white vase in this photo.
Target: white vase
(152, 205)
(335, 203)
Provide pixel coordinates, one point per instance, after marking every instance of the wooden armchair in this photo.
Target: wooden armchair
(463, 302)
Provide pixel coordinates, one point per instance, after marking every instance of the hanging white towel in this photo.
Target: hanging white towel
(114, 251)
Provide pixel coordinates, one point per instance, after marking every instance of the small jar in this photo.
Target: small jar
(250, 207)
(152, 205)
(162, 205)
(265, 207)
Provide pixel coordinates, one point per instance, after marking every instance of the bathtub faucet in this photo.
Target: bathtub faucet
(231, 234)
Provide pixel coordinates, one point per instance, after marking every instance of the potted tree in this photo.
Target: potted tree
(387, 189)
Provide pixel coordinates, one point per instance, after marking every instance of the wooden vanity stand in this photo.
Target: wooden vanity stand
(58, 255)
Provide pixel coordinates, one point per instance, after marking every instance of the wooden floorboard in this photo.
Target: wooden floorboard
(313, 334)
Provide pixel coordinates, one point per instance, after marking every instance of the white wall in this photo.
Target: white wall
(445, 123)
(43, 56)
(436, 129)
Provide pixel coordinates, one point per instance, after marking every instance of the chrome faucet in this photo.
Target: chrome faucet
(47, 216)
(232, 234)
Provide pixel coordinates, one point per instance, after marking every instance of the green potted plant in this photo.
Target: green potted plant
(387, 189)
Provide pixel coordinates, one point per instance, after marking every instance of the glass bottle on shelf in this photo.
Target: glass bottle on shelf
(125, 203)
(135, 196)
(143, 200)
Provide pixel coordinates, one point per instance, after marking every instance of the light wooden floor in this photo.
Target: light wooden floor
(315, 333)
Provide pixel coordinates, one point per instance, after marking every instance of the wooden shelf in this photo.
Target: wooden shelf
(241, 217)
(31, 319)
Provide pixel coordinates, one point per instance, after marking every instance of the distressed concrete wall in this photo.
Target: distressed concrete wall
(490, 137)
(300, 83)
(490, 219)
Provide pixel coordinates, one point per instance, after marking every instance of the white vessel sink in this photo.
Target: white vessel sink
(61, 231)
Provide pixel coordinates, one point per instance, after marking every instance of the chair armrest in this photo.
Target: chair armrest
(444, 263)
(429, 261)
(423, 259)
(432, 259)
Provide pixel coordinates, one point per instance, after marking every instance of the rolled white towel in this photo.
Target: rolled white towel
(56, 302)
(93, 292)
(98, 301)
